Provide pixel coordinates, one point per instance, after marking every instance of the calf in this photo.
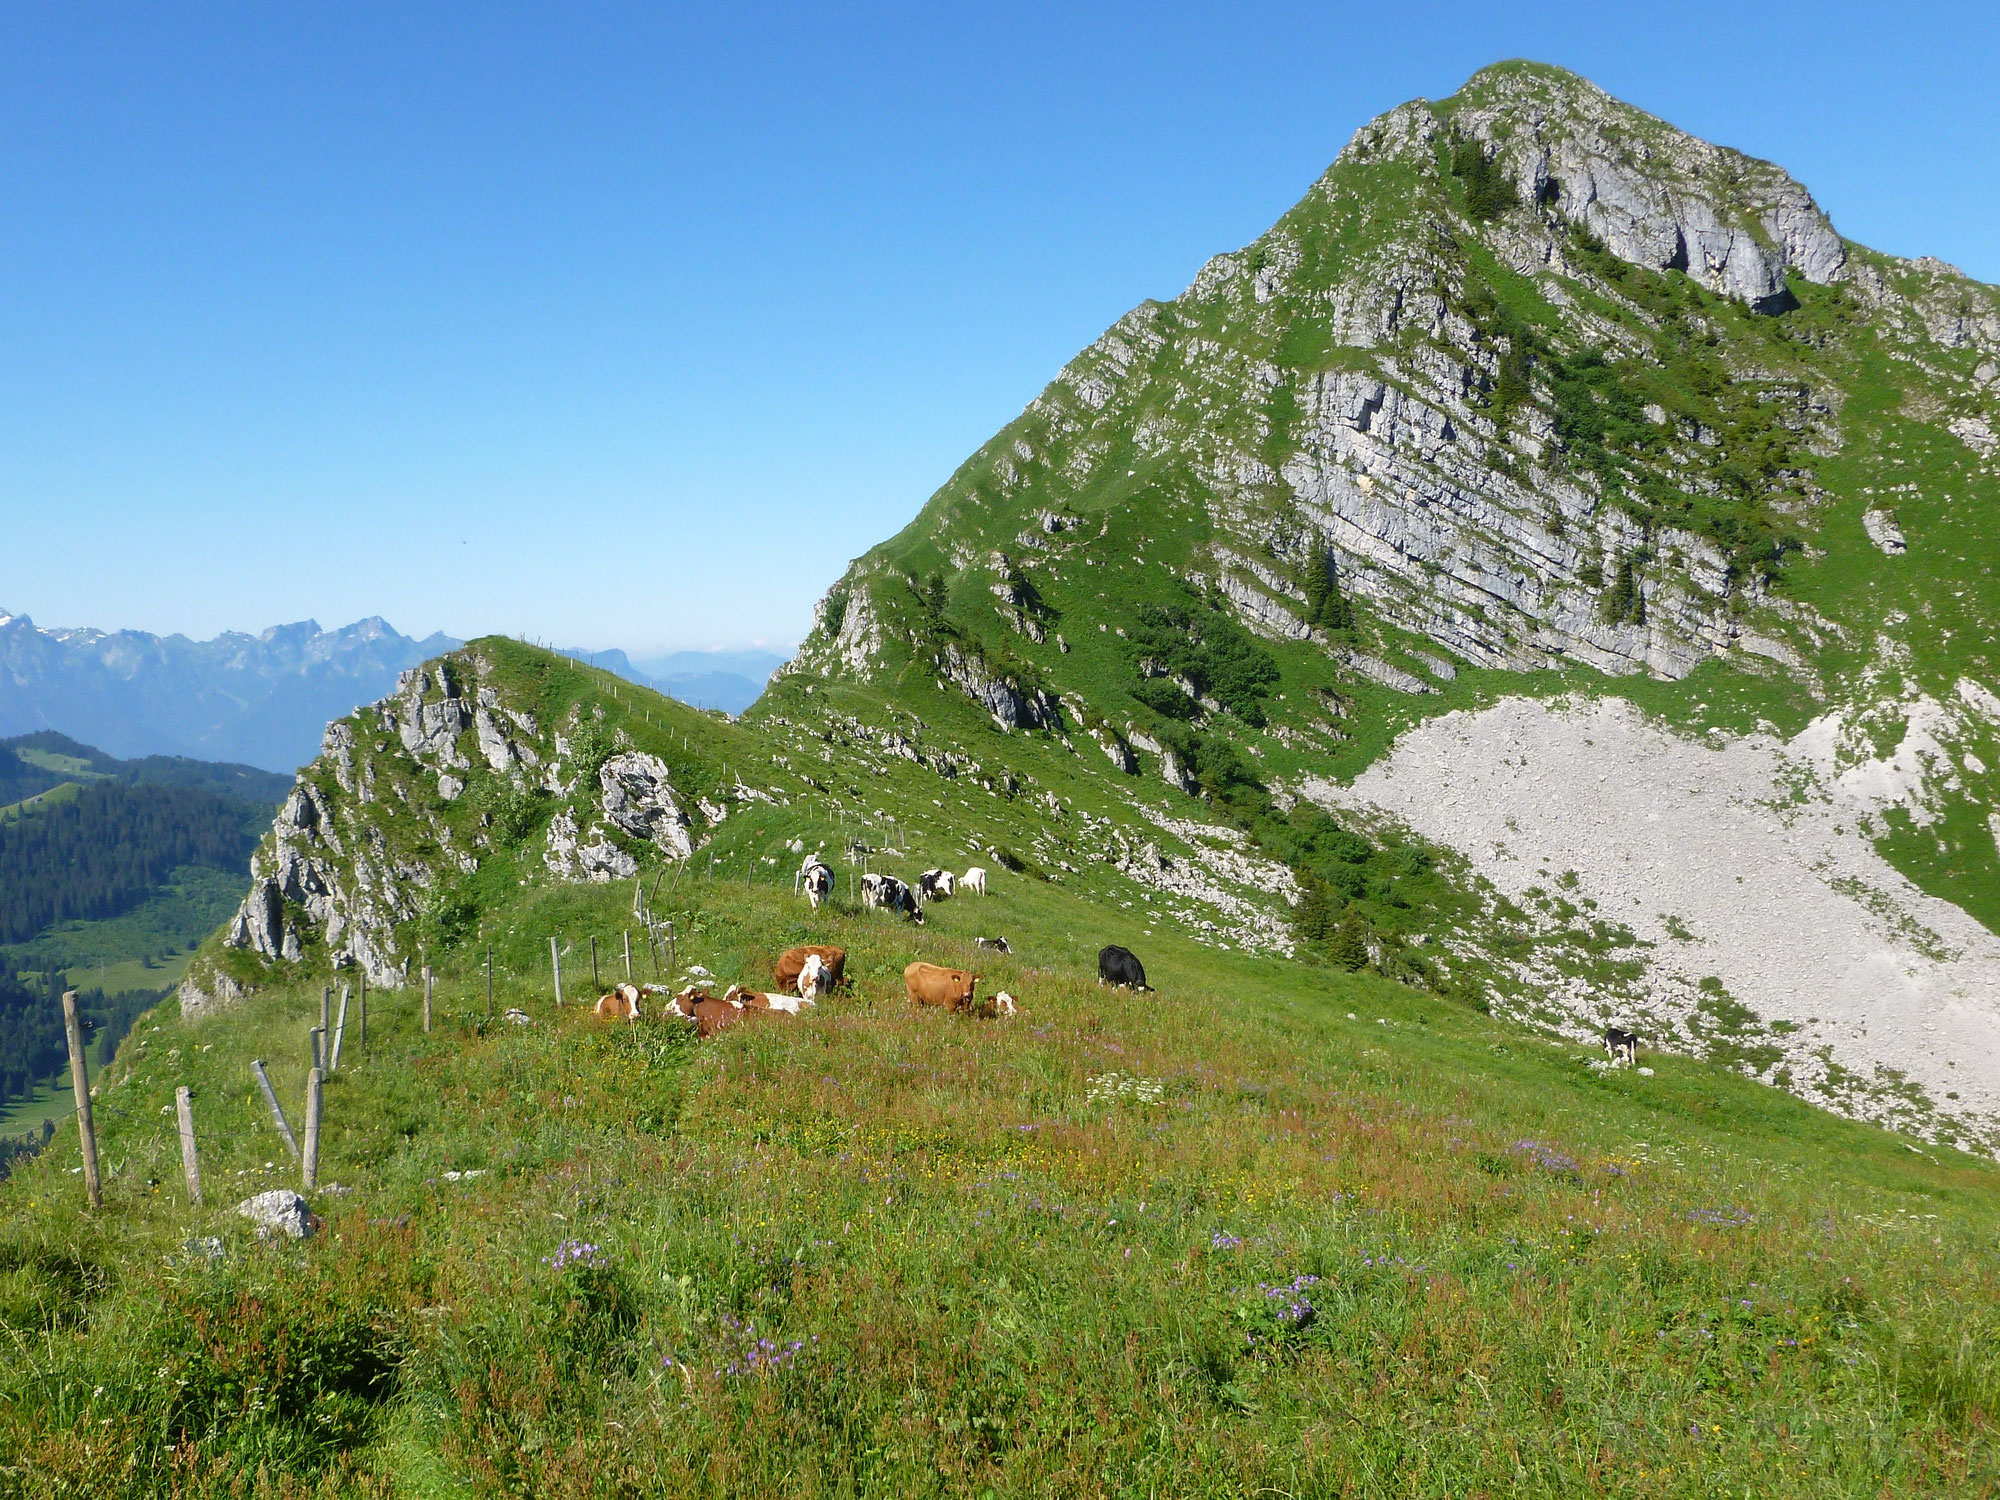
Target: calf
(1120, 966)
(974, 880)
(997, 944)
(792, 962)
(1619, 1043)
(948, 989)
(622, 1004)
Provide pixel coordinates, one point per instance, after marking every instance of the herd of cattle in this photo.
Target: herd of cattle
(887, 893)
(804, 973)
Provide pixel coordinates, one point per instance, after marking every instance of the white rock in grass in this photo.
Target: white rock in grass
(280, 1211)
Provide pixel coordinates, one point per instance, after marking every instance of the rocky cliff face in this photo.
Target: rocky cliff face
(413, 793)
(1440, 375)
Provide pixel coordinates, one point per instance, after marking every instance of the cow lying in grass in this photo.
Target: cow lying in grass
(790, 968)
(709, 1014)
(952, 989)
(764, 1000)
(622, 1004)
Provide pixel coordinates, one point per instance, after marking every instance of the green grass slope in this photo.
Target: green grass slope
(1275, 1225)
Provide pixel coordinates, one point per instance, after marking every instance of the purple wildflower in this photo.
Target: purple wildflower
(576, 1253)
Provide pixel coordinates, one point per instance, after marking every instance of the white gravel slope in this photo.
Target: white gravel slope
(1780, 895)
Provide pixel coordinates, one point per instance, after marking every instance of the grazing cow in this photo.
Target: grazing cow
(948, 989)
(1619, 1043)
(816, 879)
(785, 1005)
(709, 1014)
(936, 885)
(997, 944)
(792, 962)
(890, 894)
(1120, 966)
(622, 1004)
(974, 880)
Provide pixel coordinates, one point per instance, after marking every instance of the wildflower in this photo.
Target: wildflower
(1221, 1241)
(576, 1253)
(1728, 1218)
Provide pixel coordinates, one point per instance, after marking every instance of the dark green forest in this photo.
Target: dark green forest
(109, 849)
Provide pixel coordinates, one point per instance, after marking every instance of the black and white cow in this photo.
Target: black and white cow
(936, 885)
(891, 894)
(1621, 1044)
(1120, 966)
(815, 879)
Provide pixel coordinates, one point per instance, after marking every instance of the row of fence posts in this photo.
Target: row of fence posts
(324, 1044)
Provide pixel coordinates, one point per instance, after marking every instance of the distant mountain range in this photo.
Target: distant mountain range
(263, 700)
(258, 699)
(728, 680)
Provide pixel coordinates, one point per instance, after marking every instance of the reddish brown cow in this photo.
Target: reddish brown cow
(622, 1004)
(709, 1014)
(792, 960)
(948, 989)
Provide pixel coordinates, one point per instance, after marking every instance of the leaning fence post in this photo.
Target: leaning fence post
(315, 1103)
(427, 997)
(190, 1161)
(339, 1033)
(595, 983)
(79, 1075)
(555, 966)
(326, 1010)
(277, 1109)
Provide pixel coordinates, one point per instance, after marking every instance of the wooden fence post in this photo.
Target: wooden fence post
(555, 967)
(628, 955)
(489, 981)
(339, 1033)
(595, 983)
(277, 1109)
(363, 997)
(427, 997)
(315, 1048)
(190, 1161)
(79, 1075)
(326, 1010)
(315, 1104)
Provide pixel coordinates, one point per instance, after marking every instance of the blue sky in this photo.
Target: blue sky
(630, 326)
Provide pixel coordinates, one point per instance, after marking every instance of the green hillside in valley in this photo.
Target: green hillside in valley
(1543, 583)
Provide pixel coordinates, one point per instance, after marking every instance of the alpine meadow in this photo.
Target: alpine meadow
(1540, 589)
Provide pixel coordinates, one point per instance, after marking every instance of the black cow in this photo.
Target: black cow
(1120, 966)
(1619, 1043)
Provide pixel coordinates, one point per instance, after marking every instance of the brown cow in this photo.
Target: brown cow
(709, 1014)
(792, 960)
(784, 1005)
(948, 989)
(622, 1004)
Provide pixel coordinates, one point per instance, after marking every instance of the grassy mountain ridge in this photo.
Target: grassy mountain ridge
(1276, 1223)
